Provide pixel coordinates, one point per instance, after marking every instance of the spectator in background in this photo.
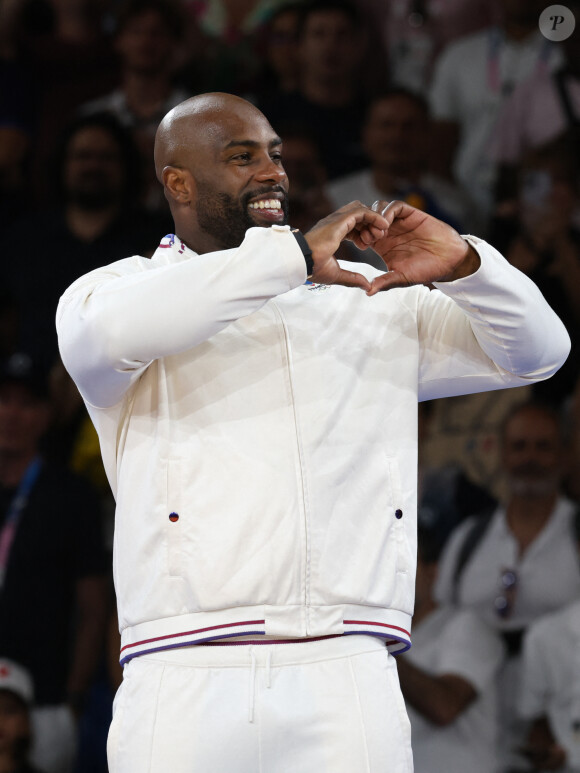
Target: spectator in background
(472, 79)
(147, 35)
(446, 494)
(572, 415)
(521, 562)
(542, 108)
(330, 98)
(544, 242)
(416, 31)
(307, 197)
(17, 124)
(16, 698)
(97, 180)
(308, 200)
(280, 63)
(228, 36)
(395, 136)
(550, 696)
(53, 589)
(63, 47)
(448, 679)
(464, 431)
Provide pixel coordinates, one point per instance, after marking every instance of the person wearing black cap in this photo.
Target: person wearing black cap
(52, 565)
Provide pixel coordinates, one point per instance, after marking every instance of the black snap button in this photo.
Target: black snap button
(398, 513)
(173, 517)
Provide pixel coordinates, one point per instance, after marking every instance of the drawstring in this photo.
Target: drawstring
(269, 669)
(252, 687)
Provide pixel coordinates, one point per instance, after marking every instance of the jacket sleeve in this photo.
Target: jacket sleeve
(113, 322)
(487, 331)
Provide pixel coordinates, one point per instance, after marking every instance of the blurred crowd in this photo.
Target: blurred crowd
(461, 108)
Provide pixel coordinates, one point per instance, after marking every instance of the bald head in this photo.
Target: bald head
(184, 134)
(220, 164)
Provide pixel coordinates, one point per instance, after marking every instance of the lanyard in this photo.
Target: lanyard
(15, 509)
(496, 40)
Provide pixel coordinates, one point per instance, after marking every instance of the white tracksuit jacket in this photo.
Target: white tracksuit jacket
(260, 436)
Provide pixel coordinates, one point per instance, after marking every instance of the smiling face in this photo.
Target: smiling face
(241, 181)
(224, 174)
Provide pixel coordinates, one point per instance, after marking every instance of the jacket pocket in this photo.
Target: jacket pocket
(403, 531)
(175, 517)
(396, 512)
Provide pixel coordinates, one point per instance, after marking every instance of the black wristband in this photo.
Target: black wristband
(306, 251)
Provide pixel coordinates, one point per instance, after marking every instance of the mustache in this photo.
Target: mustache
(264, 192)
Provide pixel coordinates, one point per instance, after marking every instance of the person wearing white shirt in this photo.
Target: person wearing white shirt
(550, 694)
(448, 680)
(524, 564)
(473, 77)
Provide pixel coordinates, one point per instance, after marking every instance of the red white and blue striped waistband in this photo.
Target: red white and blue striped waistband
(397, 639)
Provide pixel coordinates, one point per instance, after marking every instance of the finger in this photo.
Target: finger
(352, 279)
(355, 238)
(371, 234)
(364, 217)
(395, 210)
(388, 281)
(365, 235)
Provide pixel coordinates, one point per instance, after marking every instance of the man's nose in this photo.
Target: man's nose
(271, 170)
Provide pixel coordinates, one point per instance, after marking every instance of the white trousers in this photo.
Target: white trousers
(330, 706)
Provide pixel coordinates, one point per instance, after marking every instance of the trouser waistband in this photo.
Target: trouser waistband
(241, 654)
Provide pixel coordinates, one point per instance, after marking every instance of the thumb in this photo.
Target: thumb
(387, 281)
(352, 279)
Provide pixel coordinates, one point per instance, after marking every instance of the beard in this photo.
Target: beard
(227, 219)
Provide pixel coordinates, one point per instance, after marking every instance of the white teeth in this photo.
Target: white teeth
(266, 204)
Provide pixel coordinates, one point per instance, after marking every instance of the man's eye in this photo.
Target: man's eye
(241, 157)
(276, 157)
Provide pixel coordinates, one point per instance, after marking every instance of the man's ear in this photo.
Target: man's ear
(179, 184)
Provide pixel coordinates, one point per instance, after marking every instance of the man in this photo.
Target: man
(416, 31)
(53, 587)
(472, 79)
(332, 90)
(521, 563)
(146, 39)
(542, 108)
(550, 695)
(259, 433)
(448, 679)
(395, 136)
(95, 215)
